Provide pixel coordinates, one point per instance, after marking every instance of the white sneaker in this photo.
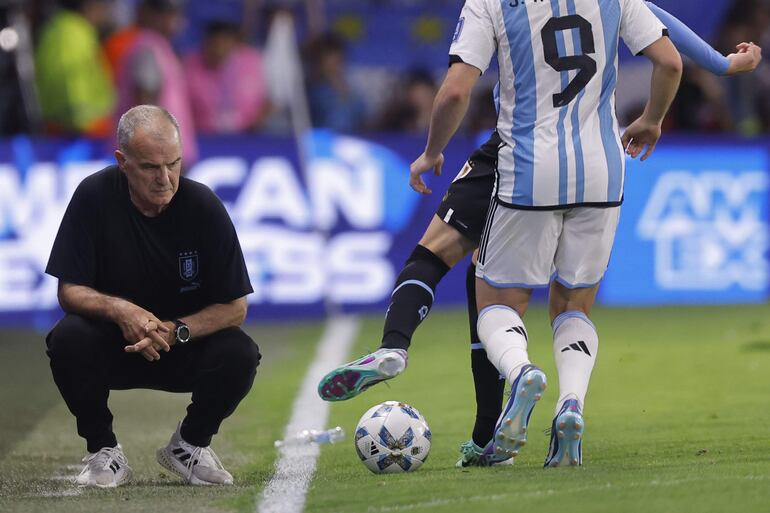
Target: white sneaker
(107, 468)
(196, 465)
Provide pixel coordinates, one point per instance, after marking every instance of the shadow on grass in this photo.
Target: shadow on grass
(757, 346)
(27, 390)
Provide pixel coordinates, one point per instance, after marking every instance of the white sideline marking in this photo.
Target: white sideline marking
(62, 477)
(73, 492)
(286, 490)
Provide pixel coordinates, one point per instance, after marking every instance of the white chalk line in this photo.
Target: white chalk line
(65, 477)
(287, 490)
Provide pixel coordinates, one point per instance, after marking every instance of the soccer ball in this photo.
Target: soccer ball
(392, 437)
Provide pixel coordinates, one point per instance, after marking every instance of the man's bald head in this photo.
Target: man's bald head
(148, 119)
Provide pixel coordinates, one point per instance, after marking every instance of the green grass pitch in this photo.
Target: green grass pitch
(677, 419)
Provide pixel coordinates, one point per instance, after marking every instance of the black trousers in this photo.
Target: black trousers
(88, 360)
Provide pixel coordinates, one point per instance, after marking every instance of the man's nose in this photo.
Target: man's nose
(163, 176)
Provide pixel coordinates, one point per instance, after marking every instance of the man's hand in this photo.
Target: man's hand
(745, 60)
(421, 165)
(140, 328)
(640, 134)
(135, 322)
(160, 337)
(144, 332)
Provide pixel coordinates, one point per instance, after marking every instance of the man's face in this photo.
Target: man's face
(152, 164)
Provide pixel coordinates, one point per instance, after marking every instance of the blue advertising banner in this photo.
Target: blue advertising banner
(332, 237)
(694, 226)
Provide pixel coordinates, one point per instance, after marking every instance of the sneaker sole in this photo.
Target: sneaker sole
(165, 461)
(345, 383)
(491, 457)
(569, 428)
(511, 435)
(128, 474)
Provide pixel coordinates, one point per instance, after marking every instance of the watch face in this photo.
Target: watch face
(183, 334)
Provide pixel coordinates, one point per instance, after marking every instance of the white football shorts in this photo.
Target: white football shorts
(529, 248)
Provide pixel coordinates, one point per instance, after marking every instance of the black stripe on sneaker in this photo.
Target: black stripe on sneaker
(185, 457)
(177, 451)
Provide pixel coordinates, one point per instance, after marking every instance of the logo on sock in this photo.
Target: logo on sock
(580, 347)
(520, 330)
(423, 312)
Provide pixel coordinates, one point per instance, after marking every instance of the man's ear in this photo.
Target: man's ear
(121, 158)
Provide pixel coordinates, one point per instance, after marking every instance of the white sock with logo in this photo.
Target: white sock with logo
(504, 337)
(575, 346)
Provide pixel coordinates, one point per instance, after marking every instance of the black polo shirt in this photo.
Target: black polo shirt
(173, 265)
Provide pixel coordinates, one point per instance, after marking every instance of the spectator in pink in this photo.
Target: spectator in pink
(151, 73)
(227, 82)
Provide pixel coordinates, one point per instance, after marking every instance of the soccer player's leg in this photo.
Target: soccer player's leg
(489, 387)
(575, 348)
(440, 248)
(465, 208)
(453, 233)
(581, 260)
(515, 256)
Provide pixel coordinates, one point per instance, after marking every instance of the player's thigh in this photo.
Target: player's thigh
(446, 242)
(518, 248)
(585, 245)
(581, 259)
(464, 206)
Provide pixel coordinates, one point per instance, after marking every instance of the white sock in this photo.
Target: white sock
(504, 338)
(575, 345)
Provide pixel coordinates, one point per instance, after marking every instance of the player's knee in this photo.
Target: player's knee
(564, 299)
(555, 310)
(446, 243)
(236, 351)
(73, 336)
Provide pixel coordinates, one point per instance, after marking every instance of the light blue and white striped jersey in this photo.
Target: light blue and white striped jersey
(558, 70)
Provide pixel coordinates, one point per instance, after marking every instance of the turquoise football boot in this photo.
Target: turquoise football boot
(351, 379)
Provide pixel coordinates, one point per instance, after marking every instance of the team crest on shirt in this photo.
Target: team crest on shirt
(188, 265)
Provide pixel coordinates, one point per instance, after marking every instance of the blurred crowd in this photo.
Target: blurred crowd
(740, 103)
(69, 67)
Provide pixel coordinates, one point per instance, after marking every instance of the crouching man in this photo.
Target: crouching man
(153, 283)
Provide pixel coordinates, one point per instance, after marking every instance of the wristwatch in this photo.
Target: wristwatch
(181, 332)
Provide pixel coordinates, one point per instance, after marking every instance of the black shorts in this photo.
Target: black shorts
(465, 204)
